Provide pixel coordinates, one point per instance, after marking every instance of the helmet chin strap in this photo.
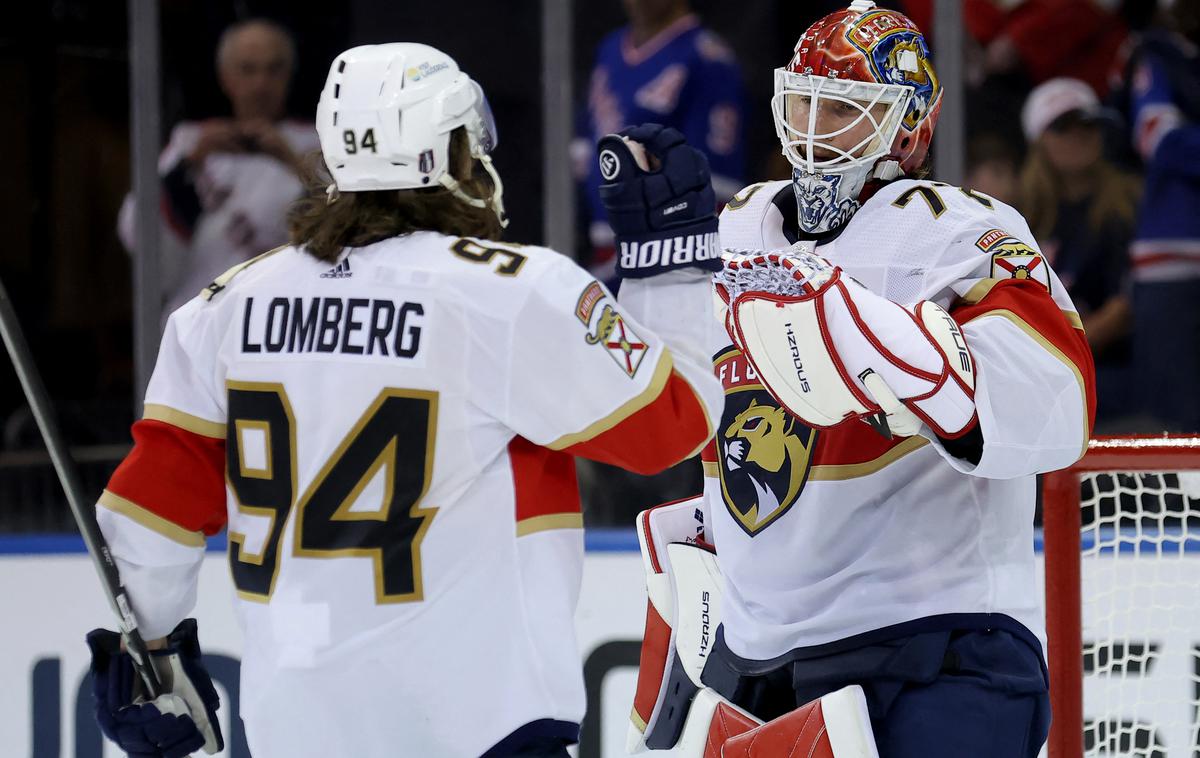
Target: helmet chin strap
(495, 202)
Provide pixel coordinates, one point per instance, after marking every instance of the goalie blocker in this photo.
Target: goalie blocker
(672, 709)
(828, 349)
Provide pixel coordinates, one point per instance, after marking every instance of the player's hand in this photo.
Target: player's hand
(264, 137)
(175, 724)
(217, 135)
(658, 193)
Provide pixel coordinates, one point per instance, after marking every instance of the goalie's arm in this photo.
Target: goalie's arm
(1035, 382)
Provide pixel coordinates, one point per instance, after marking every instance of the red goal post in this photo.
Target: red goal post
(1138, 470)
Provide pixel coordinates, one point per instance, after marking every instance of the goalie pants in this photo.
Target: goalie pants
(943, 694)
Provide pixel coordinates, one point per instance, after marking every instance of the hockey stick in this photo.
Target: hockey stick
(68, 475)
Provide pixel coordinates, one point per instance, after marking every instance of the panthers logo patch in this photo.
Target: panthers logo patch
(1013, 259)
(764, 455)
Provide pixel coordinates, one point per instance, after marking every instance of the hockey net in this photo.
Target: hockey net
(1122, 547)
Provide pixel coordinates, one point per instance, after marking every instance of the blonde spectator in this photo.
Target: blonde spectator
(1082, 210)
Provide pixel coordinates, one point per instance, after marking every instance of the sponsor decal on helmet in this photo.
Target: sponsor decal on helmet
(424, 69)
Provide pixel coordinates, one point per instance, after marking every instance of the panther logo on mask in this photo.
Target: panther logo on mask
(816, 198)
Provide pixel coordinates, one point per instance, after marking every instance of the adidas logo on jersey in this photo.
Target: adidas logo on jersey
(340, 271)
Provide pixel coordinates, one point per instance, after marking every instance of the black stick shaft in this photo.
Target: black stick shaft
(68, 475)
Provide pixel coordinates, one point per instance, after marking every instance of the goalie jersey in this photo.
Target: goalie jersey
(389, 443)
(826, 535)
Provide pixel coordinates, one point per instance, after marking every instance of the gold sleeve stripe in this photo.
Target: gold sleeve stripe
(219, 283)
(637, 721)
(1049, 347)
(840, 472)
(185, 421)
(981, 288)
(550, 521)
(711, 468)
(152, 521)
(657, 382)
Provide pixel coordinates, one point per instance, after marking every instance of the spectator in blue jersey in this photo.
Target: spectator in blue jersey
(665, 68)
(1164, 110)
(1081, 208)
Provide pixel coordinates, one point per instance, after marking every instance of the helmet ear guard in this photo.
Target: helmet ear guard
(386, 117)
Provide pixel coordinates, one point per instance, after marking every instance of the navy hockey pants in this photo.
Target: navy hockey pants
(961, 694)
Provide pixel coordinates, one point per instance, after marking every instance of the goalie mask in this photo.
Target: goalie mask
(386, 115)
(857, 102)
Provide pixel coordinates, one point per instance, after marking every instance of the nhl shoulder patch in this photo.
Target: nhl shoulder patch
(1012, 258)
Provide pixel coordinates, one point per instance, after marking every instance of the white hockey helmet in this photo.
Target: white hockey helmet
(385, 118)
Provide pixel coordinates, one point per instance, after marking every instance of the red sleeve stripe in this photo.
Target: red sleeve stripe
(981, 288)
(839, 444)
(671, 428)
(185, 421)
(175, 474)
(664, 424)
(662, 372)
(148, 519)
(1024, 303)
(545, 491)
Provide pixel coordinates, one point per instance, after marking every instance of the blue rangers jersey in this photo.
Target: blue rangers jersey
(684, 77)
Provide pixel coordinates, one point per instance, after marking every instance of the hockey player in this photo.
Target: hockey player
(383, 415)
(878, 592)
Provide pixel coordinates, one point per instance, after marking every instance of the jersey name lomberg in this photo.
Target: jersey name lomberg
(353, 326)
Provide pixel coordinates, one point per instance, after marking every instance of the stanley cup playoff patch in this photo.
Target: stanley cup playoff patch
(1012, 258)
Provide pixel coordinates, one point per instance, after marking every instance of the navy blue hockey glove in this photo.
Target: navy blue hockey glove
(664, 215)
(175, 724)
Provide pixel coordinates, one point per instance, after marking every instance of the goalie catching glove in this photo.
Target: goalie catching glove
(829, 349)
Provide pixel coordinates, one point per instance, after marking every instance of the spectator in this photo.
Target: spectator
(662, 68)
(1041, 38)
(227, 182)
(1164, 112)
(993, 165)
(1081, 209)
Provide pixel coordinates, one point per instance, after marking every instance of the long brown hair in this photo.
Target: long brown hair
(1115, 197)
(354, 219)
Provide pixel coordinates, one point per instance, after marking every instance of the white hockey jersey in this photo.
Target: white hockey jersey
(244, 198)
(828, 535)
(390, 440)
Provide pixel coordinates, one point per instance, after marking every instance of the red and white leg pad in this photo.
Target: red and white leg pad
(834, 726)
(683, 589)
(711, 721)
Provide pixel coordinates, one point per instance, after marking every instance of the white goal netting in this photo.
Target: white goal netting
(1140, 572)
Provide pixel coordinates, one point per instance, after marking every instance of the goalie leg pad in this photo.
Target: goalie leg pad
(683, 587)
(711, 721)
(834, 726)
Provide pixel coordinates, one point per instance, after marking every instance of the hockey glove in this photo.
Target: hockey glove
(829, 349)
(658, 193)
(175, 724)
